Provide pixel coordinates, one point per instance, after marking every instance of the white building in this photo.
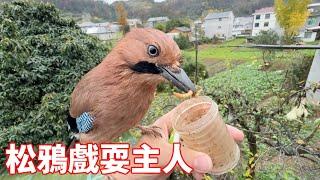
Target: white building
(151, 22)
(242, 26)
(134, 23)
(265, 19)
(311, 30)
(219, 25)
(103, 31)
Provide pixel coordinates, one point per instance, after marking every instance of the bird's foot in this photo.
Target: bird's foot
(150, 130)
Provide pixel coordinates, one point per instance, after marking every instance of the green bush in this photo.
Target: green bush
(183, 42)
(205, 40)
(189, 65)
(42, 57)
(266, 37)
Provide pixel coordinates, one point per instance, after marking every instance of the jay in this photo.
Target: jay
(115, 95)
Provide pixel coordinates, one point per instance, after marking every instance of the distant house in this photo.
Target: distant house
(311, 30)
(114, 26)
(134, 23)
(103, 31)
(219, 25)
(151, 22)
(180, 31)
(265, 19)
(242, 26)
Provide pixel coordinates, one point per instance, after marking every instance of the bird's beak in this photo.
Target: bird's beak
(178, 78)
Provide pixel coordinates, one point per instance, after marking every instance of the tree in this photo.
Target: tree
(122, 16)
(189, 65)
(267, 37)
(183, 42)
(42, 55)
(291, 15)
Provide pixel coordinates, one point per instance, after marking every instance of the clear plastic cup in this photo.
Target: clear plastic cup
(201, 128)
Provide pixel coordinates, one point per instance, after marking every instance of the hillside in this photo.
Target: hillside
(147, 8)
(144, 9)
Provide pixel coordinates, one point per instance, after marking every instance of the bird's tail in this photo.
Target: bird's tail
(72, 126)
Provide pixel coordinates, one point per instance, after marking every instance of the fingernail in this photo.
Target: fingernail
(202, 164)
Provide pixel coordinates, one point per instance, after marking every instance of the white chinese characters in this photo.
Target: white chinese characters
(90, 159)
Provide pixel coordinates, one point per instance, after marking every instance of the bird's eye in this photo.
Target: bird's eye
(153, 51)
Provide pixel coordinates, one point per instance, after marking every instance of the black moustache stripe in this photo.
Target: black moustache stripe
(146, 67)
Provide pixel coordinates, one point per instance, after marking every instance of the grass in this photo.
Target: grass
(221, 52)
(219, 58)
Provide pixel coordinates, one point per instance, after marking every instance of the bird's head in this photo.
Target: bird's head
(155, 56)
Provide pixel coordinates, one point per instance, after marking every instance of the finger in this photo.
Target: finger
(165, 122)
(235, 133)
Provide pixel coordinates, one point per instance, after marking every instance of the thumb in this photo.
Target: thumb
(199, 161)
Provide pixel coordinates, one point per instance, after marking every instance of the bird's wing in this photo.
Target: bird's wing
(83, 96)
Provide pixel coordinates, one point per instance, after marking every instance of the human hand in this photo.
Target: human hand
(200, 162)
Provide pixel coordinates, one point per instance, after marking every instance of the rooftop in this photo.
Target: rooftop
(134, 20)
(314, 5)
(264, 10)
(158, 19)
(315, 29)
(219, 15)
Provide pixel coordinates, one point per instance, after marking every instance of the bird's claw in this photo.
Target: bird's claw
(150, 130)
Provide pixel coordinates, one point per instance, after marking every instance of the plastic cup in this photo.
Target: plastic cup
(201, 128)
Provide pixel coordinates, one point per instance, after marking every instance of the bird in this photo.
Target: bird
(114, 96)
